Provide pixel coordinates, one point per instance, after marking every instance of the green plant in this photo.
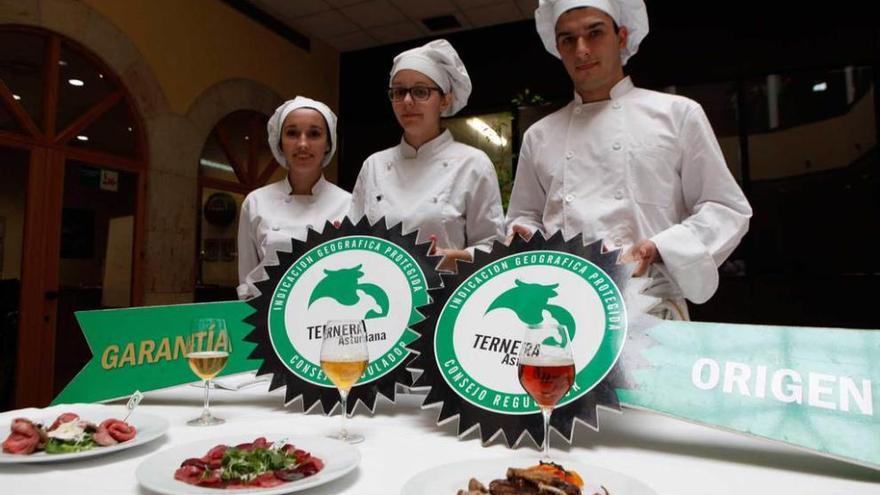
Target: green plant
(526, 97)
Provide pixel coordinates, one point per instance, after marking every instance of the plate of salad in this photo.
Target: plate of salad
(270, 464)
(73, 431)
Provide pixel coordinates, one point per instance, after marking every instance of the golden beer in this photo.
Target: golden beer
(207, 364)
(343, 374)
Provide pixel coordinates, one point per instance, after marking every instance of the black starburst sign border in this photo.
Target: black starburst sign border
(328, 397)
(514, 427)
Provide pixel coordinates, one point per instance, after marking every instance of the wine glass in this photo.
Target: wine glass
(207, 350)
(546, 369)
(344, 358)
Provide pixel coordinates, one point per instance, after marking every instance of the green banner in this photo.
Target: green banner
(145, 348)
(811, 387)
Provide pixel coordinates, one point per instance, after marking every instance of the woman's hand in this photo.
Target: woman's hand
(450, 257)
(520, 230)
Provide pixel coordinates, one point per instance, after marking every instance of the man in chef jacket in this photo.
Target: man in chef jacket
(639, 169)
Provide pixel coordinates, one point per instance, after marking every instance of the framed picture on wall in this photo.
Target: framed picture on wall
(228, 249)
(212, 250)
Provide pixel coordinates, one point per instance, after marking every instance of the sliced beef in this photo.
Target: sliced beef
(517, 486)
(189, 474)
(64, 418)
(120, 431)
(24, 438)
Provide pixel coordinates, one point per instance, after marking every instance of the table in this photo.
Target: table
(672, 456)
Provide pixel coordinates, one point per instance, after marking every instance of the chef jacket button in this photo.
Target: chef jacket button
(434, 199)
(310, 226)
(577, 110)
(618, 194)
(615, 105)
(287, 199)
(445, 164)
(618, 242)
(276, 228)
(616, 146)
(569, 198)
(569, 154)
(388, 166)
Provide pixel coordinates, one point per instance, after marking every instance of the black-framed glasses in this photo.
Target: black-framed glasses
(420, 93)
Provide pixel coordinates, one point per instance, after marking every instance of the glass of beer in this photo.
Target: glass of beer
(207, 350)
(344, 358)
(546, 369)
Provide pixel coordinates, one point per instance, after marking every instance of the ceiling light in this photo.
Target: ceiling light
(819, 87)
(82, 137)
(16, 97)
(215, 165)
(487, 132)
(76, 82)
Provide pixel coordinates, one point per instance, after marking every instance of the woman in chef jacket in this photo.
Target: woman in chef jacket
(302, 137)
(447, 190)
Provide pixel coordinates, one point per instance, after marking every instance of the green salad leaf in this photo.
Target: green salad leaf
(246, 465)
(56, 446)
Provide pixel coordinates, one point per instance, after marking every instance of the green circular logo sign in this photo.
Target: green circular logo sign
(350, 278)
(479, 331)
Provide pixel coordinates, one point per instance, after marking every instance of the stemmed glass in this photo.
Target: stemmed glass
(207, 350)
(344, 358)
(546, 370)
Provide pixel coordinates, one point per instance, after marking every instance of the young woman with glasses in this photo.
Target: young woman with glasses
(445, 189)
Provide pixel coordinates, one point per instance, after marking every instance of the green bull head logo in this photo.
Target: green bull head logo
(529, 302)
(342, 286)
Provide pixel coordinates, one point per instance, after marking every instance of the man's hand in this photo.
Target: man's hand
(645, 253)
(523, 232)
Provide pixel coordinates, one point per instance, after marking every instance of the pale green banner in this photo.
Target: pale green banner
(811, 387)
(144, 348)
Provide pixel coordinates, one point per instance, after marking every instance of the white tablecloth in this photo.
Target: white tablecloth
(671, 456)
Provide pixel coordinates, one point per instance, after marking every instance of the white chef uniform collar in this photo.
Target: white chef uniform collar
(439, 61)
(631, 14)
(277, 122)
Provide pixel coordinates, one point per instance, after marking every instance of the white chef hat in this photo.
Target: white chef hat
(277, 122)
(439, 61)
(631, 14)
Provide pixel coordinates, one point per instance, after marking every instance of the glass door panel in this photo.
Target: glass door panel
(95, 269)
(14, 166)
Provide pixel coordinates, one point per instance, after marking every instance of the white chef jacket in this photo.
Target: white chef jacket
(444, 188)
(642, 165)
(272, 215)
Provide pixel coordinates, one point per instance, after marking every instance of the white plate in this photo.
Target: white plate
(149, 427)
(157, 472)
(449, 478)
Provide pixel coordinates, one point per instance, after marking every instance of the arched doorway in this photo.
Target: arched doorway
(73, 151)
(235, 160)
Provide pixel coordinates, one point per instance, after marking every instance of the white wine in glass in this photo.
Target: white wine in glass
(207, 351)
(344, 358)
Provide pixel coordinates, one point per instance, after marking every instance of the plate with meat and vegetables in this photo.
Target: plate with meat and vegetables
(269, 464)
(519, 476)
(74, 431)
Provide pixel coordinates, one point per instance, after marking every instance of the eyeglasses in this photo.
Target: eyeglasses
(419, 93)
